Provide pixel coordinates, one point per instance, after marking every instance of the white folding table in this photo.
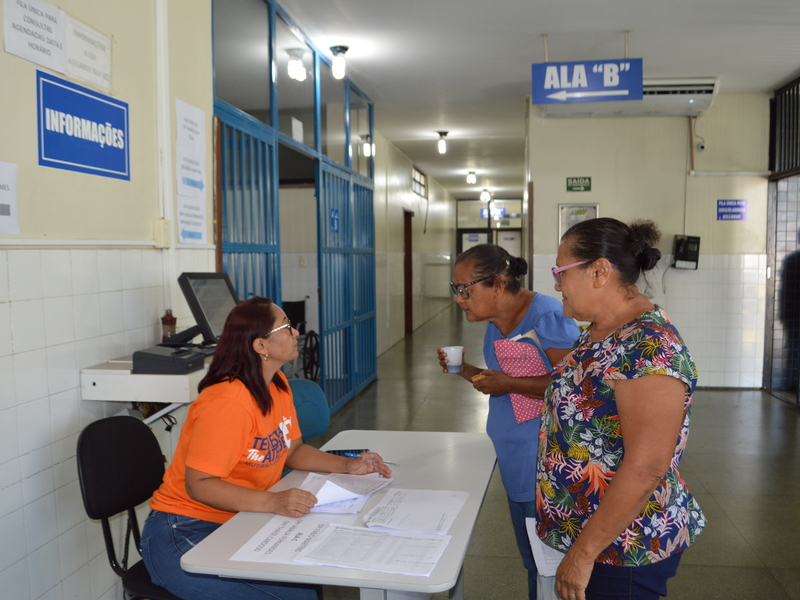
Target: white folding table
(427, 460)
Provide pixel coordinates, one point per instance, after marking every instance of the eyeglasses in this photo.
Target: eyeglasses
(460, 289)
(558, 270)
(284, 326)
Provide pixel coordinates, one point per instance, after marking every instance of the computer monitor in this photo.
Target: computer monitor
(210, 297)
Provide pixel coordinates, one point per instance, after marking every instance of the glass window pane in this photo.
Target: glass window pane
(295, 92)
(359, 133)
(506, 214)
(469, 214)
(241, 55)
(334, 141)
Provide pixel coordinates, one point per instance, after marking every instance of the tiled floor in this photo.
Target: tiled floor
(742, 462)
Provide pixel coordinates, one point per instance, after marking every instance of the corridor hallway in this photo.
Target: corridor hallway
(742, 463)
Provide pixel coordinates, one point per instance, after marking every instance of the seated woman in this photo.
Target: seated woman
(239, 435)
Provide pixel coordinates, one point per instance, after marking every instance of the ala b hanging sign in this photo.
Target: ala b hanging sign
(587, 81)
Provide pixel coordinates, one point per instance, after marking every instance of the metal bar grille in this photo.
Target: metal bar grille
(786, 132)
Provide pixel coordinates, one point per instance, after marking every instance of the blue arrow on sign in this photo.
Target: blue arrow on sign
(588, 81)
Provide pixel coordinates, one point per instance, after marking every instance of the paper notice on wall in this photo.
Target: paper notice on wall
(192, 220)
(9, 219)
(88, 54)
(36, 31)
(190, 150)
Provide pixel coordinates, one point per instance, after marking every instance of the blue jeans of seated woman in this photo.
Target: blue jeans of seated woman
(520, 510)
(167, 537)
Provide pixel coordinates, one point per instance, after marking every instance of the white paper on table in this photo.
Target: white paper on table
(421, 511)
(281, 538)
(335, 487)
(351, 506)
(546, 558)
(384, 551)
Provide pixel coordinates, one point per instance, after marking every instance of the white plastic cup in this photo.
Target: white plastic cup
(454, 356)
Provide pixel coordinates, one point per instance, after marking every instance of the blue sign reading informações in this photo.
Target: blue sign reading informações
(731, 210)
(81, 130)
(587, 81)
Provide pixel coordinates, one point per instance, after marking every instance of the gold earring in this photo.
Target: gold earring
(265, 356)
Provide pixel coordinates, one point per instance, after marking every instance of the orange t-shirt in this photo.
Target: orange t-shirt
(225, 435)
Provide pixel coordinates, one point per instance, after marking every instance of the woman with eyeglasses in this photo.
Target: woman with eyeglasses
(238, 436)
(527, 334)
(615, 424)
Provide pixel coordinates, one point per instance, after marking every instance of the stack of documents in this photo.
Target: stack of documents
(419, 511)
(337, 493)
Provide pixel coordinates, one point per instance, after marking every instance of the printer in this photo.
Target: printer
(162, 360)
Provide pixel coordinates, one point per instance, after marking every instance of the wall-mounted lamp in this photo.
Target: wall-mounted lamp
(296, 68)
(442, 145)
(485, 195)
(367, 148)
(338, 64)
(471, 178)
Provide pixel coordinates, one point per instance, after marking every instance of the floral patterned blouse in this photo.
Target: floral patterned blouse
(580, 443)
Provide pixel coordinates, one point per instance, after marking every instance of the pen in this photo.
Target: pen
(353, 455)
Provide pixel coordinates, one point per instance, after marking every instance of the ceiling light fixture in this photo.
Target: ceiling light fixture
(485, 195)
(367, 148)
(296, 68)
(442, 145)
(338, 64)
(471, 179)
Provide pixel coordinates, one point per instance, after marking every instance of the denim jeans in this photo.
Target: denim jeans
(648, 582)
(167, 537)
(520, 510)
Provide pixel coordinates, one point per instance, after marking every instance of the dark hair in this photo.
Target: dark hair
(494, 260)
(235, 358)
(630, 248)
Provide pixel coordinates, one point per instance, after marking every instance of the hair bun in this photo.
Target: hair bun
(518, 266)
(649, 258)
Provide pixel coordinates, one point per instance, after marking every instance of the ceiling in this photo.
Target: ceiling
(464, 66)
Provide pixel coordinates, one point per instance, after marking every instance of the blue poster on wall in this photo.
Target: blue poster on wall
(80, 129)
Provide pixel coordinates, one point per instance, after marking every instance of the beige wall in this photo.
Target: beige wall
(640, 169)
(433, 246)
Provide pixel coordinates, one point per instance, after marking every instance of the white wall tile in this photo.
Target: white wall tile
(8, 394)
(69, 506)
(113, 346)
(37, 474)
(109, 271)
(65, 414)
(6, 346)
(76, 586)
(112, 317)
(136, 339)
(12, 527)
(59, 319)
(87, 316)
(33, 421)
(152, 272)
(88, 353)
(56, 273)
(14, 580)
(54, 593)
(40, 522)
(9, 435)
(65, 469)
(101, 577)
(132, 272)
(74, 550)
(133, 308)
(27, 325)
(24, 275)
(30, 376)
(10, 487)
(4, 296)
(44, 567)
(62, 368)
(84, 271)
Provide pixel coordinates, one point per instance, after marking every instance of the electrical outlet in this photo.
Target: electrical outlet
(162, 233)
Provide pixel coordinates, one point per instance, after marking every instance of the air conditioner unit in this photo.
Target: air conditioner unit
(660, 98)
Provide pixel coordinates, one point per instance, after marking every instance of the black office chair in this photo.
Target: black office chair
(120, 465)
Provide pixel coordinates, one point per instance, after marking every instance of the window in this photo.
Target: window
(419, 183)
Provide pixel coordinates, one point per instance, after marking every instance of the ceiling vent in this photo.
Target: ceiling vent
(660, 98)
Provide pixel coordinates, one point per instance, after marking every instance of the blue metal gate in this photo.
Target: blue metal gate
(346, 250)
(250, 237)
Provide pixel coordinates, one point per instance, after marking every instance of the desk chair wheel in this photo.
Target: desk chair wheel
(311, 356)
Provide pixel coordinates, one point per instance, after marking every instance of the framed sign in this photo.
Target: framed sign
(569, 214)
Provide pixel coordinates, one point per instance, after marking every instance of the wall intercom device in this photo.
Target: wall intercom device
(686, 253)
